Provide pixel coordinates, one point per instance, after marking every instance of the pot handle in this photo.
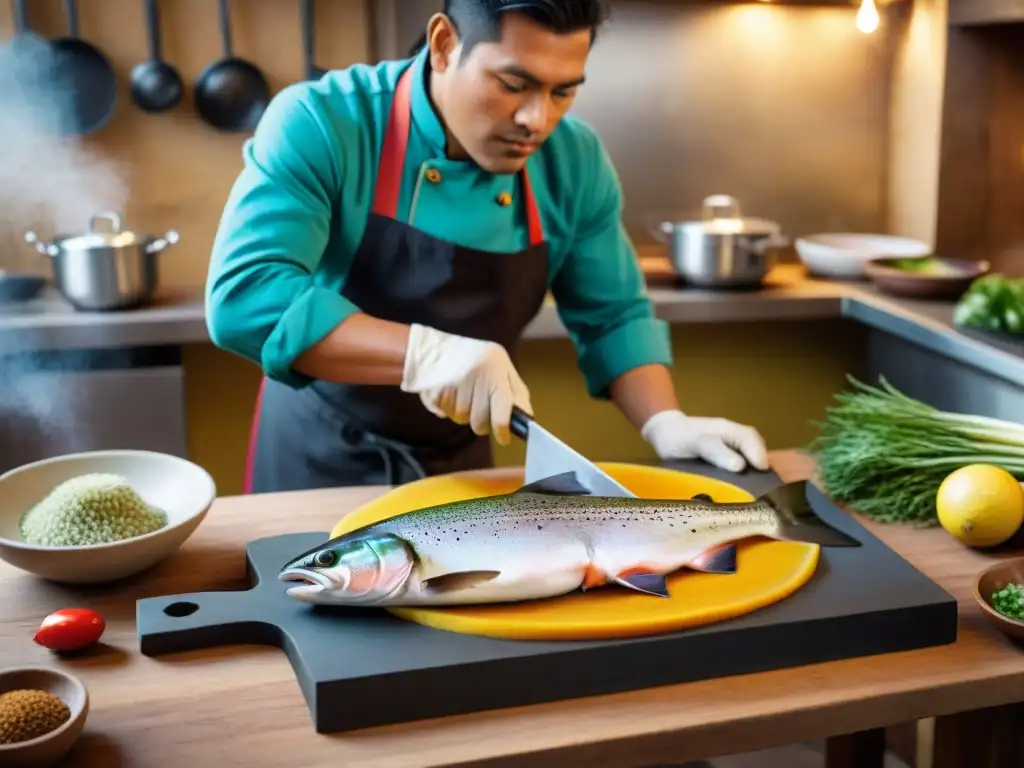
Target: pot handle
(771, 242)
(110, 216)
(661, 231)
(162, 243)
(47, 249)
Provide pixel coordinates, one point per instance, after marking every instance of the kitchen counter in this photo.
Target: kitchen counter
(178, 317)
(145, 709)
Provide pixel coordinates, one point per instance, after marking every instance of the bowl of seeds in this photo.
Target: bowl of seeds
(999, 590)
(96, 517)
(42, 714)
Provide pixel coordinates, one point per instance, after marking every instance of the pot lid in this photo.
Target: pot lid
(114, 237)
(722, 217)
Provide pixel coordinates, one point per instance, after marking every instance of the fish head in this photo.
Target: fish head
(363, 570)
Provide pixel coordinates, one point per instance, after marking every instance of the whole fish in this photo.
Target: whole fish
(546, 539)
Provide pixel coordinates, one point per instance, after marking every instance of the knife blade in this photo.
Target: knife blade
(546, 455)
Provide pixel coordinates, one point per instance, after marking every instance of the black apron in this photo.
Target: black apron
(326, 434)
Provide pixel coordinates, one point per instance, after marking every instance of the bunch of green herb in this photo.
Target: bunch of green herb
(992, 303)
(885, 454)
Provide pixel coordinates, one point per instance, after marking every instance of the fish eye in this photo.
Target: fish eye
(325, 558)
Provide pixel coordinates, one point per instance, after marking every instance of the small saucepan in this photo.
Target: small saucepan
(105, 270)
(723, 250)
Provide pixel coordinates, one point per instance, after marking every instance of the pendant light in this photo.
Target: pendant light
(867, 17)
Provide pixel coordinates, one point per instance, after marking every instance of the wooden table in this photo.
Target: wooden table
(242, 706)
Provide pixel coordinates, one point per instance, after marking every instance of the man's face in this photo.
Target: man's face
(503, 100)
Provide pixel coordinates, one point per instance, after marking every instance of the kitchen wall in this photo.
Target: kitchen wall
(177, 171)
(915, 118)
(785, 107)
(788, 108)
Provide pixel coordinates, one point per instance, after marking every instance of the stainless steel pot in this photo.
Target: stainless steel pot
(105, 270)
(724, 249)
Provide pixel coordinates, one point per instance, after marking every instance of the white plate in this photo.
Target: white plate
(842, 254)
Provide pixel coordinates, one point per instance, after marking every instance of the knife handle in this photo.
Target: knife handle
(520, 423)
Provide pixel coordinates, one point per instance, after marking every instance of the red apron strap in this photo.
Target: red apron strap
(533, 222)
(254, 428)
(392, 155)
(392, 162)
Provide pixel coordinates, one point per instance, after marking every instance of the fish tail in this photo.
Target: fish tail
(799, 522)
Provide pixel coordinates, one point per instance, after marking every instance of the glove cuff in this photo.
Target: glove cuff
(423, 347)
(672, 419)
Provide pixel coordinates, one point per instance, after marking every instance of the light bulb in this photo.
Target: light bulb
(867, 17)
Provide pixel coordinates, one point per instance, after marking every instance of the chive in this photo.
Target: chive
(885, 454)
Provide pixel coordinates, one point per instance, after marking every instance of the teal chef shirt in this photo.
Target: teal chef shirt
(296, 215)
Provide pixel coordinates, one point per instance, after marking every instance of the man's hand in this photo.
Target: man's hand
(721, 442)
(466, 380)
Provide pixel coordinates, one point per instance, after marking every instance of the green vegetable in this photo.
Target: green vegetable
(886, 454)
(1009, 601)
(992, 303)
(97, 508)
(922, 265)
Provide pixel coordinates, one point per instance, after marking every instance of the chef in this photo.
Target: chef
(394, 229)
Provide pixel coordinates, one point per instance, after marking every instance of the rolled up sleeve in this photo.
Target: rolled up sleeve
(600, 289)
(265, 300)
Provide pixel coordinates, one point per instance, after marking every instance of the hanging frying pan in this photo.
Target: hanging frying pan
(84, 80)
(26, 58)
(231, 94)
(307, 11)
(156, 85)
(25, 43)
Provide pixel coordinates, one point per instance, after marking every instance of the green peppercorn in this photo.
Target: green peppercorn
(1009, 601)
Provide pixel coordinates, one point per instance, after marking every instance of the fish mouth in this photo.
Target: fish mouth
(310, 583)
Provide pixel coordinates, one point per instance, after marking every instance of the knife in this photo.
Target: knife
(546, 455)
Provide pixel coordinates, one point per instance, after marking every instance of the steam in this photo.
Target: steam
(51, 182)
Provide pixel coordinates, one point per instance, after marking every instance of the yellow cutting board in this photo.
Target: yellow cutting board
(766, 571)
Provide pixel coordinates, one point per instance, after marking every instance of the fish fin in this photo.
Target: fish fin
(563, 484)
(717, 560)
(449, 582)
(799, 522)
(703, 497)
(648, 583)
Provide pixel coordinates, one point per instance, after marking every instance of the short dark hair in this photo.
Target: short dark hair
(480, 20)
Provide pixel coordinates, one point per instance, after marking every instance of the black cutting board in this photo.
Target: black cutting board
(364, 667)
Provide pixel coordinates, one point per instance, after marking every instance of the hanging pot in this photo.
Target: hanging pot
(723, 249)
(99, 270)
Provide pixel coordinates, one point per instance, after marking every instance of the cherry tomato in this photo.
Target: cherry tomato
(70, 629)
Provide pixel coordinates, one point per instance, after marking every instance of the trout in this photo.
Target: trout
(543, 540)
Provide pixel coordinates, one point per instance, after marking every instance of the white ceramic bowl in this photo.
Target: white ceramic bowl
(842, 254)
(183, 490)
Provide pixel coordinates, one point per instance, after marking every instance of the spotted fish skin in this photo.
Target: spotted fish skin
(546, 539)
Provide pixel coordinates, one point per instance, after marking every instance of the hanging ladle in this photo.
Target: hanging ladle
(156, 85)
(231, 94)
(306, 8)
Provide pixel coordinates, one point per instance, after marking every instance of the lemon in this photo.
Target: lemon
(981, 505)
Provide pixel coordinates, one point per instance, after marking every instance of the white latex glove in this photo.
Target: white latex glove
(721, 442)
(466, 380)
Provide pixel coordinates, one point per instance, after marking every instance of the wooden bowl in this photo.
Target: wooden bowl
(891, 276)
(992, 579)
(50, 748)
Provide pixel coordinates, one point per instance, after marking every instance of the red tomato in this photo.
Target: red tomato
(70, 629)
